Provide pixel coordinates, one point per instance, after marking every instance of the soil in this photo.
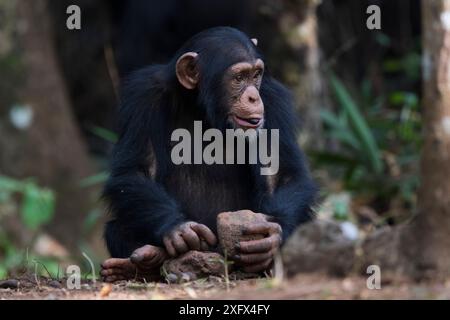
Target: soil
(305, 286)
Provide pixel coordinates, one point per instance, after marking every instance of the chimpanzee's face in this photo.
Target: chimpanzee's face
(242, 82)
(239, 102)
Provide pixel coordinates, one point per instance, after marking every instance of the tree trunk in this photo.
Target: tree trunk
(430, 232)
(50, 148)
(288, 33)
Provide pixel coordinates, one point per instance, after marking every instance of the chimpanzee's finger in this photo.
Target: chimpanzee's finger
(169, 247)
(178, 243)
(260, 246)
(263, 228)
(269, 218)
(143, 253)
(160, 256)
(259, 267)
(109, 272)
(204, 245)
(115, 263)
(255, 246)
(148, 256)
(205, 233)
(191, 238)
(254, 258)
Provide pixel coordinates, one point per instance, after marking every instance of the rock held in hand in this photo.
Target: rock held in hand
(230, 227)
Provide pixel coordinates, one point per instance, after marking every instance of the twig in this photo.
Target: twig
(225, 266)
(35, 275)
(94, 278)
(45, 268)
(278, 269)
(112, 69)
(339, 51)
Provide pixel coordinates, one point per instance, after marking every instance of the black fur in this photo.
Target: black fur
(146, 205)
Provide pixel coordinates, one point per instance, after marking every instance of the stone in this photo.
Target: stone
(9, 284)
(319, 246)
(230, 226)
(193, 265)
(55, 284)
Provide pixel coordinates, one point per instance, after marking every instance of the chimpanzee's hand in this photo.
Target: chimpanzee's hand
(257, 255)
(189, 236)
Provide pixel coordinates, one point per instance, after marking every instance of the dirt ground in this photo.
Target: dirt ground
(306, 286)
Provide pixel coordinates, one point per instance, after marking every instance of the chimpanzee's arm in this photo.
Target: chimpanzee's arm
(142, 207)
(138, 202)
(293, 197)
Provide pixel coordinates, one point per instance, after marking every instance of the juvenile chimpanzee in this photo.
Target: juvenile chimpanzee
(161, 209)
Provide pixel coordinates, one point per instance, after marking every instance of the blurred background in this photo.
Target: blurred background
(358, 92)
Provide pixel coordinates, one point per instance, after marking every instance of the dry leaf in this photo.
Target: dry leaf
(106, 290)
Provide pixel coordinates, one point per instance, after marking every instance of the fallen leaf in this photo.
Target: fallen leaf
(106, 290)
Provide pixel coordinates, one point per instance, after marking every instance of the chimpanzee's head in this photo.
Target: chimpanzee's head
(226, 70)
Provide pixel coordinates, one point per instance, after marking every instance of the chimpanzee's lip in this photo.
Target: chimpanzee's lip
(248, 122)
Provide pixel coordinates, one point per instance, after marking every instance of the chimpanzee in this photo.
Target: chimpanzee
(160, 209)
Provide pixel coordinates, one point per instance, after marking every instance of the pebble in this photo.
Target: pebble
(9, 284)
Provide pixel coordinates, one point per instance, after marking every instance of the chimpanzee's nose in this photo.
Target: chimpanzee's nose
(253, 96)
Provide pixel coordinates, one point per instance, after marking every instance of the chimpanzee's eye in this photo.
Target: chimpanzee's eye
(239, 77)
(258, 74)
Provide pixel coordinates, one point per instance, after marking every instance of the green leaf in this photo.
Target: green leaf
(346, 137)
(331, 158)
(9, 184)
(37, 207)
(339, 128)
(94, 179)
(362, 130)
(383, 39)
(91, 220)
(3, 272)
(330, 119)
(103, 133)
(5, 196)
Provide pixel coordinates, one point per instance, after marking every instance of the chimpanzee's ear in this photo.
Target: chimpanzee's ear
(255, 41)
(186, 70)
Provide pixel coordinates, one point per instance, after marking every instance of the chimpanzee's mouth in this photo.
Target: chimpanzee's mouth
(250, 122)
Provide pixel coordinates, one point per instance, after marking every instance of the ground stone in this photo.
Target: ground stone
(195, 264)
(318, 246)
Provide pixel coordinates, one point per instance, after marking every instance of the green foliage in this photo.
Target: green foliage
(37, 205)
(341, 210)
(35, 209)
(104, 134)
(91, 220)
(94, 179)
(408, 65)
(100, 177)
(350, 128)
(378, 141)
